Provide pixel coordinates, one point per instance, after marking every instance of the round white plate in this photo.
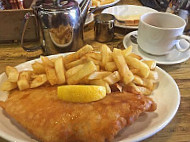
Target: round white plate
(174, 57)
(127, 10)
(89, 18)
(146, 126)
(105, 5)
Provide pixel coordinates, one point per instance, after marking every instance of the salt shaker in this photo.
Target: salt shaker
(104, 27)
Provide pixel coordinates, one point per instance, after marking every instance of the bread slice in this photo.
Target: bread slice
(130, 20)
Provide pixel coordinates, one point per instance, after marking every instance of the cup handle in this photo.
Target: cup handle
(179, 48)
(25, 24)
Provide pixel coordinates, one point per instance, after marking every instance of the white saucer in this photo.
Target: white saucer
(174, 57)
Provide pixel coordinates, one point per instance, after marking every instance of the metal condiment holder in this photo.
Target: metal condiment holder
(104, 27)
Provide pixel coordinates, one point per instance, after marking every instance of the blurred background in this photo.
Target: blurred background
(160, 5)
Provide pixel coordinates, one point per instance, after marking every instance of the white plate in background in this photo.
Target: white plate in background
(145, 126)
(127, 10)
(174, 57)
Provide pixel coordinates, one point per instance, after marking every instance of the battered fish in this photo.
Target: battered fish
(52, 120)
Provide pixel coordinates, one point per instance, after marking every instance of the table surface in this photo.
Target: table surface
(177, 130)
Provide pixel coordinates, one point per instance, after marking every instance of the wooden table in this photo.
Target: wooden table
(177, 130)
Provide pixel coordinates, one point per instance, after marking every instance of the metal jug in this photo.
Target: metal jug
(60, 25)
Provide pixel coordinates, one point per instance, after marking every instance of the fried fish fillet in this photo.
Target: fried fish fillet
(52, 120)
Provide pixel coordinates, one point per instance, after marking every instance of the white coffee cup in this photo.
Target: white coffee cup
(159, 33)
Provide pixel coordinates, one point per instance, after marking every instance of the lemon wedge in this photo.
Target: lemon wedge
(81, 93)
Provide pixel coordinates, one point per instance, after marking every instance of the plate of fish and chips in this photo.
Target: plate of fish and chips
(147, 80)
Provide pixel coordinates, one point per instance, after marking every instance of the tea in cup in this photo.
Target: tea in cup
(159, 33)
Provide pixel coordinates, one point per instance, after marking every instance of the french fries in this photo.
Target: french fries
(38, 68)
(23, 80)
(126, 75)
(132, 88)
(94, 55)
(138, 80)
(81, 52)
(144, 90)
(73, 70)
(87, 69)
(119, 70)
(47, 62)
(142, 67)
(110, 66)
(51, 75)
(98, 75)
(148, 83)
(134, 71)
(8, 86)
(135, 56)
(60, 70)
(75, 63)
(12, 74)
(96, 62)
(127, 51)
(151, 64)
(106, 54)
(153, 75)
(38, 81)
(112, 78)
(50, 70)
(101, 82)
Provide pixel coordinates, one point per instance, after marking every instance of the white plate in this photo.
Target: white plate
(127, 10)
(147, 124)
(105, 5)
(174, 57)
(89, 18)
